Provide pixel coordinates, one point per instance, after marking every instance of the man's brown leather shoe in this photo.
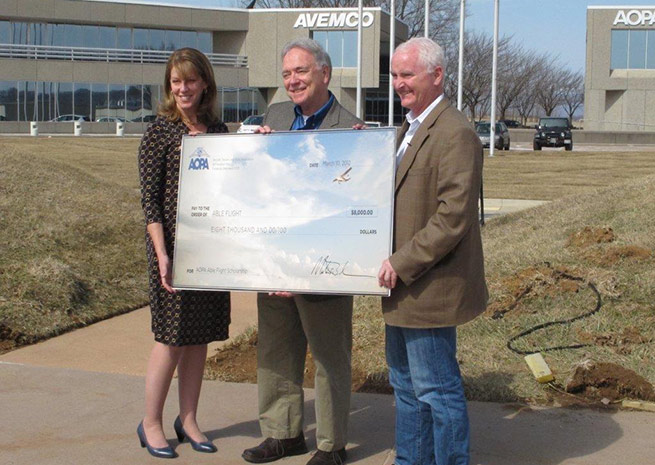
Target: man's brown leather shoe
(336, 457)
(273, 449)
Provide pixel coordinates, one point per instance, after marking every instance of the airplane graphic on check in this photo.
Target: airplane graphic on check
(343, 177)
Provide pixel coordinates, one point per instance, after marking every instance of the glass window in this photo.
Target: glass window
(172, 40)
(141, 39)
(5, 32)
(124, 38)
(349, 49)
(27, 101)
(205, 42)
(91, 39)
(19, 33)
(335, 48)
(107, 37)
(64, 98)
(74, 35)
(38, 34)
(58, 35)
(48, 100)
(117, 99)
(82, 99)
(619, 53)
(9, 100)
(150, 99)
(187, 39)
(133, 101)
(99, 107)
(321, 38)
(650, 50)
(637, 50)
(230, 102)
(157, 39)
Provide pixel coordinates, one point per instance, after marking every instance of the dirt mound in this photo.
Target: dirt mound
(609, 381)
(607, 255)
(535, 281)
(612, 255)
(237, 363)
(589, 236)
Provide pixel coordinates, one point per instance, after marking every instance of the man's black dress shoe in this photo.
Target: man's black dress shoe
(336, 457)
(204, 446)
(161, 452)
(274, 449)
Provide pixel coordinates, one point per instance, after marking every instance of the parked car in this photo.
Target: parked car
(63, 118)
(373, 124)
(251, 123)
(511, 123)
(110, 119)
(553, 132)
(144, 119)
(483, 128)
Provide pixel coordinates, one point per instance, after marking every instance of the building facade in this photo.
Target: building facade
(620, 68)
(105, 61)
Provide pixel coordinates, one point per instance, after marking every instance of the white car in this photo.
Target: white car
(251, 123)
(373, 124)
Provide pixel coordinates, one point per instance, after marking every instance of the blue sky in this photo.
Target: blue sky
(555, 26)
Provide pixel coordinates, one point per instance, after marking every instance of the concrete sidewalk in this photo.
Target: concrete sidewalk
(57, 416)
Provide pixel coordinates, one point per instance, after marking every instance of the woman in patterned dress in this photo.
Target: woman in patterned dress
(183, 322)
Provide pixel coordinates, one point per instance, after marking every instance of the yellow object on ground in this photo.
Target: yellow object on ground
(539, 368)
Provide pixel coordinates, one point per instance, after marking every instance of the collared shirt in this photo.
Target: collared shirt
(414, 123)
(314, 121)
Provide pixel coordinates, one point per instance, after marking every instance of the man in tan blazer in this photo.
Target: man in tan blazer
(288, 323)
(436, 271)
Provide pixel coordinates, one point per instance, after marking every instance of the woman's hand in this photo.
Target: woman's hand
(166, 273)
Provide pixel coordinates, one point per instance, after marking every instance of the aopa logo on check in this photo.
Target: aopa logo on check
(199, 160)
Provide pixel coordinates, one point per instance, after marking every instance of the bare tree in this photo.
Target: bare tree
(517, 68)
(550, 88)
(573, 94)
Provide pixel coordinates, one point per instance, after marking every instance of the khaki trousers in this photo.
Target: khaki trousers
(285, 327)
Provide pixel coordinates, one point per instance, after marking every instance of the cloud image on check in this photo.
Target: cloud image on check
(305, 211)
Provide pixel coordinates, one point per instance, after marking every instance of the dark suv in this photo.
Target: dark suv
(553, 132)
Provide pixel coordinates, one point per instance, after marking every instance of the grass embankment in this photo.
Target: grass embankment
(72, 248)
(604, 236)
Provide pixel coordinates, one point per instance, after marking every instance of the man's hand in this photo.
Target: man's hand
(387, 277)
(359, 126)
(263, 130)
(282, 294)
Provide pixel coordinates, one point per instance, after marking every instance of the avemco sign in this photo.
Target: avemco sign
(635, 18)
(333, 20)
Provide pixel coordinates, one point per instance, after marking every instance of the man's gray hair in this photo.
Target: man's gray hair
(430, 54)
(311, 46)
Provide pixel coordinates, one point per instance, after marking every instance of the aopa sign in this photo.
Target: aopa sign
(635, 17)
(333, 20)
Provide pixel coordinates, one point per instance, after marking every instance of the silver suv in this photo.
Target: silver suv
(483, 128)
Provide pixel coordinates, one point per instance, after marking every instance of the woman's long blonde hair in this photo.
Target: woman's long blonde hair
(187, 61)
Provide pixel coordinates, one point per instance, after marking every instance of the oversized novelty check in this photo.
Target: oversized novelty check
(299, 211)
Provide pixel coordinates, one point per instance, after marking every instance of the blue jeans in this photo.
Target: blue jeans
(432, 424)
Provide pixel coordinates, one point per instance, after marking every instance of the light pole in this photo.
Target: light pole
(460, 68)
(492, 123)
(359, 61)
(392, 45)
